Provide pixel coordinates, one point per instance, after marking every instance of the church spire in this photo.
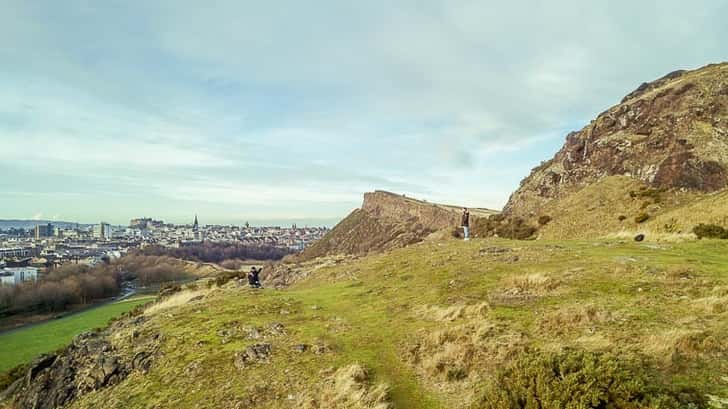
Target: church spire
(195, 225)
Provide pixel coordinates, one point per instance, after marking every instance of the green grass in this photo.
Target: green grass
(21, 346)
(369, 311)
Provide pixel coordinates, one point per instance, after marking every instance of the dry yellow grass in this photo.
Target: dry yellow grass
(173, 301)
(677, 343)
(348, 388)
(650, 236)
(454, 312)
(715, 303)
(575, 317)
(534, 284)
(710, 208)
(607, 209)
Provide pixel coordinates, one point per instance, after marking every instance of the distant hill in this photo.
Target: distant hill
(664, 146)
(387, 220)
(29, 224)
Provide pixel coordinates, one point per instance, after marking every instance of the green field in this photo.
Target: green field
(21, 346)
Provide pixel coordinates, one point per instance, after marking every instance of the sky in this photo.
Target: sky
(241, 110)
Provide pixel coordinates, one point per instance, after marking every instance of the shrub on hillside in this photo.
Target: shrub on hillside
(168, 289)
(575, 379)
(506, 227)
(232, 264)
(544, 220)
(641, 218)
(457, 232)
(516, 228)
(622, 218)
(711, 231)
(671, 226)
(647, 193)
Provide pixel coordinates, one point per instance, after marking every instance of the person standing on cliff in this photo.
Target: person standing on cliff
(465, 223)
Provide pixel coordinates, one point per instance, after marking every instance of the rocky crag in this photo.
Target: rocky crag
(386, 221)
(670, 134)
(93, 361)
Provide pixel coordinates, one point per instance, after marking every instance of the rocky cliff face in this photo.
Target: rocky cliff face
(385, 221)
(93, 361)
(671, 133)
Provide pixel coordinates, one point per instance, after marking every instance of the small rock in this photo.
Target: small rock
(257, 353)
(39, 365)
(301, 348)
(320, 349)
(277, 328)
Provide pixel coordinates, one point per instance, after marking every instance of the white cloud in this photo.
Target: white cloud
(320, 100)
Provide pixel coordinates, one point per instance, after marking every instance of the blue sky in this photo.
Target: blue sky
(239, 110)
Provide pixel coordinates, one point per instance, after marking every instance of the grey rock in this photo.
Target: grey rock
(257, 353)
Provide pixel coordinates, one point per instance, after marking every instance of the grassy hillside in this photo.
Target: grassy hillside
(450, 325)
(613, 206)
(20, 346)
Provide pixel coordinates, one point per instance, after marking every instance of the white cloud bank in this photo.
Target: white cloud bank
(243, 107)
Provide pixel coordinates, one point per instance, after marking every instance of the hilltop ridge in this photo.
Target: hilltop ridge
(385, 221)
(669, 134)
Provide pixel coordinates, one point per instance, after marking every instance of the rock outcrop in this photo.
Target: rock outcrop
(93, 361)
(386, 221)
(670, 134)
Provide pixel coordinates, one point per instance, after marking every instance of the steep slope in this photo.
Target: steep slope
(620, 204)
(669, 134)
(482, 324)
(386, 221)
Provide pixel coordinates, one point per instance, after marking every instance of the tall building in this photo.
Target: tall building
(103, 231)
(43, 230)
(196, 230)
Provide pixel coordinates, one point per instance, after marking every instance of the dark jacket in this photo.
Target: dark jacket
(465, 221)
(256, 276)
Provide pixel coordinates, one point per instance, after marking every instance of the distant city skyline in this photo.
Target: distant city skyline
(253, 111)
(287, 222)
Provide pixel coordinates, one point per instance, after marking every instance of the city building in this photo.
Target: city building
(42, 230)
(145, 223)
(196, 235)
(17, 275)
(16, 252)
(103, 231)
(90, 244)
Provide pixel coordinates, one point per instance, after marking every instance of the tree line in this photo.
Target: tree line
(218, 252)
(77, 284)
(151, 269)
(62, 287)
